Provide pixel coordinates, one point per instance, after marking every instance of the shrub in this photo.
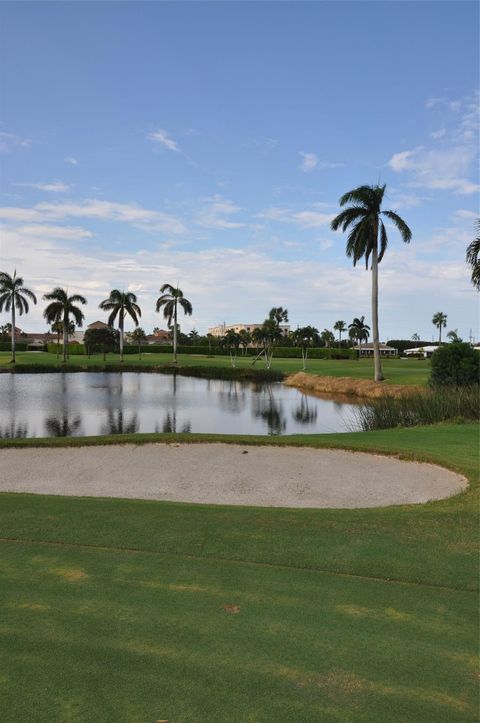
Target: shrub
(7, 345)
(431, 406)
(455, 365)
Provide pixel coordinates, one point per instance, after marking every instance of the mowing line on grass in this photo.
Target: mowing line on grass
(216, 558)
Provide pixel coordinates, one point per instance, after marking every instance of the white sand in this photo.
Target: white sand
(225, 474)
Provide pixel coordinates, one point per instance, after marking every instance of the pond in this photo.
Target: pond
(77, 404)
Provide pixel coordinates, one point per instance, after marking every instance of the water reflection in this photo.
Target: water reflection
(113, 403)
(170, 424)
(266, 407)
(232, 397)
(306, 412)
(120, 423)
(63, 426)
(13, 430)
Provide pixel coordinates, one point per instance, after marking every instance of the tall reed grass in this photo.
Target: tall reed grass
(448, 404)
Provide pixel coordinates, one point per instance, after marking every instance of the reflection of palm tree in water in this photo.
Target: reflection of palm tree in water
(118, 423)
(169, 423)
(269, 410)
(13, 430)
(304, 413)
(232, 396)
(64, 424)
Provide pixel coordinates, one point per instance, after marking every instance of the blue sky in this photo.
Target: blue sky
(208, 143)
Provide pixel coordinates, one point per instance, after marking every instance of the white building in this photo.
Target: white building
(221, 329)
(367, 349)
(425, 351)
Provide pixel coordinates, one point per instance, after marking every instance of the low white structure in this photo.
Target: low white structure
(425, 351)
(367, 350)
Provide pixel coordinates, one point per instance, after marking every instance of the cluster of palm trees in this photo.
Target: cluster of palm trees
(64, 311)
(367, 239)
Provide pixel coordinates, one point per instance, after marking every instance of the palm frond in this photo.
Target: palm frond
(346, 218)
(402, 227)
(167, 287)
(186, 306)
(383, 241)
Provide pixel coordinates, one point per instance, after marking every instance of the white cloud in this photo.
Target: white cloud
(10, 140)
(466, 215)
(436, 135)
(55, 232)
(325, 243)
(443, 169)
(216, 213)
(432, 102)
(309, 161)
(70, 159)
(304, 219)
(161, 137)
(145, 218)
(54, 186)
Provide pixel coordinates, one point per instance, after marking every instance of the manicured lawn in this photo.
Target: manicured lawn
(396, 371)
(120, 610)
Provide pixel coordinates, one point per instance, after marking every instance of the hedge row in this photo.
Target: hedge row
(72, 349)
(284, 352)
(7, 346)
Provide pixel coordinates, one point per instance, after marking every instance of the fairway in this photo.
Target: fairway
(396, 371)
(123, 610)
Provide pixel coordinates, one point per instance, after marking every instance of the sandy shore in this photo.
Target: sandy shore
(227, 474)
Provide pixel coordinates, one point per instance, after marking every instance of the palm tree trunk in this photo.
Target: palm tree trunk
(440, 334)
(65, 325)
(13, 331)
(121, 334)
(175, 331)
(376, 343)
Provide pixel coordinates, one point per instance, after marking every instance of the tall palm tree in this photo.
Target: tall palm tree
(169, 299)
(440, 321)
(139, 336)
(415, 337)
(13, 297)
(232, 341)
(473, 258)
(62, 306)
(121, 303)
(340, 326)
(368, 237)
(245, 339)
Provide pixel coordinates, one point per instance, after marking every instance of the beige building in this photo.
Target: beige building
(221, 329)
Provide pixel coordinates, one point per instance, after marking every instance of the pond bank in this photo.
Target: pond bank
(348, 386)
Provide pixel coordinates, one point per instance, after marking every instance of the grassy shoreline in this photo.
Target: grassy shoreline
(397, 371)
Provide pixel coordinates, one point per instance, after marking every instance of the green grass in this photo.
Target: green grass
(113, 610)
(396, 371)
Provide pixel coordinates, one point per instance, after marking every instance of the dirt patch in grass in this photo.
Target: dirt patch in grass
(348, 386)
(69, 573)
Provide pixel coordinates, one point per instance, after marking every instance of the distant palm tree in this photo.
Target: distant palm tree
(340, 326)
(232, 341)
(415, 337)
(473, 257)
(327, 337)
(304, 337)
(368, 237)
(169, 299)
(62, 306)
(358, 330)
(454, 337)
(138, 335)
(440, 321)
(245, 339)
(194, 336)
(121, 303)
(12, 298)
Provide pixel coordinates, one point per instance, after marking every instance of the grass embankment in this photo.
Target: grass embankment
(397, 371)
(117, 610)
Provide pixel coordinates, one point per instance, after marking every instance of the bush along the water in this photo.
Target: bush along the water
(455, 365)
(431, 406)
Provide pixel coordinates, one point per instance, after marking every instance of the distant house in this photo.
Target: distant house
(97, 325)
(222, 329)
(367, 350)
(425, 351)
(160, 337)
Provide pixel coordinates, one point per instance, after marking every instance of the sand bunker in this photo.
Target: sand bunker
(227, 474)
